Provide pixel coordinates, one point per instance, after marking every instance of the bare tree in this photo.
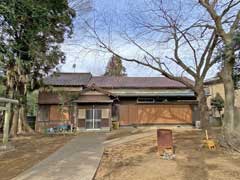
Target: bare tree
(225, 19)
(161, 24)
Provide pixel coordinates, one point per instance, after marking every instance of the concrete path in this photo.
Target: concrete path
(77, 160)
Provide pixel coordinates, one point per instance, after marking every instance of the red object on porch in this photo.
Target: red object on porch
(164, 140)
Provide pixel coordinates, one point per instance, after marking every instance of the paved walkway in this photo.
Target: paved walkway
(77, 160)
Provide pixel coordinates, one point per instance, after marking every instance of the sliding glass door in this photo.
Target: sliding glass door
(93, 118)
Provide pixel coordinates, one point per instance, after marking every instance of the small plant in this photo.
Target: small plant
(217, 102)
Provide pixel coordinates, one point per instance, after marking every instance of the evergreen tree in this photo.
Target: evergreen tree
(30, 33)
(115, 67)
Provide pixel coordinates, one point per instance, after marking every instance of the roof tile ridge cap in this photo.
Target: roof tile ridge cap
(72, 73)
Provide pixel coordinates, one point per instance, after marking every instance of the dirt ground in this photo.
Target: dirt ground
(138, 160)
(29, 151)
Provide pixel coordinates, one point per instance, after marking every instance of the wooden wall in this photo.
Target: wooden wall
(58, 112)
(52, 116)
(155, 114)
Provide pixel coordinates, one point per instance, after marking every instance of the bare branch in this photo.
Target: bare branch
(178, 59)
(190, 45)
(216, 18)
(235, 24)
(230, 6)
(144, 63)
(209, 63)
(209, 44)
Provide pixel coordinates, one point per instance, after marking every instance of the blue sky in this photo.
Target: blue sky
(78, 49)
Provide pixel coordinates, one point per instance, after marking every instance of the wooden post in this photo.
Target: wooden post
(6, 123)
(75, 116)
(7, 117)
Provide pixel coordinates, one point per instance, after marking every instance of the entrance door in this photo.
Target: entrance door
(97, 118)
(93, 118)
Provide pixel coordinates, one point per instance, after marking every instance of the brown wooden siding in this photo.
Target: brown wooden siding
(81, 123)
(124, 115)
(155, 114)
(105, 123)
(52, 98)
(133, 115)
(59, 113)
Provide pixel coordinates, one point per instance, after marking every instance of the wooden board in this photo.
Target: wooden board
(155, 114)
(123, 115)
(133, 115)
(58, 113)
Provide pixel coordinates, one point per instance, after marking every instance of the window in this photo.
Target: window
(145, 100)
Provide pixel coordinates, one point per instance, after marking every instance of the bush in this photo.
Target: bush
(217, 102)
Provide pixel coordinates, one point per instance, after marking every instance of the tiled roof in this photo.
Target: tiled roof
(135, 82)
(68, 79)
(86, 79)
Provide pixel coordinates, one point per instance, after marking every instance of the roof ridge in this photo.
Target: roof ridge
(134, 76)
(71, 72)
(68, 79)
(164, 77)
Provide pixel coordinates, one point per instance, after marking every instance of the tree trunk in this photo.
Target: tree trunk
(231, 135)
(20, 127)
(23, 126)
(14, 126)
(19, 121)
(228, 122)
(203, 108)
